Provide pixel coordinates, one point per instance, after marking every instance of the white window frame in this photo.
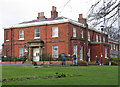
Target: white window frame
(81, 52)
(96, 38)
(105, 52)
(21, 52)
(116, 47)
(100, 38)
(89, 53)
(74, 32)
(35, 33)
(55, 31)
(54, 52)
(88, 35)
(75, 50)
(21, 34)
(82, 34)
(111, 47)
(104, 39)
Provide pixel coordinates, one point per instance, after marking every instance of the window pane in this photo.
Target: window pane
(81, 33)
(55, 51)
(55, 32)
(37, 32)
(21, 52)
(75, 49)
(21, 34)
(74, 32)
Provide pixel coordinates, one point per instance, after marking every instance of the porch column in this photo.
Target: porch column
(39, 52)
(29, 52)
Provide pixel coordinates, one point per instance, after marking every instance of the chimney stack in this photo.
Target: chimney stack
(54, 13)
(81, 19)
(40, 15)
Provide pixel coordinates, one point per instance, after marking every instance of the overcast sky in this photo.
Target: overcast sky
(16, 11)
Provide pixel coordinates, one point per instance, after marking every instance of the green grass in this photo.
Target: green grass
(91, 75)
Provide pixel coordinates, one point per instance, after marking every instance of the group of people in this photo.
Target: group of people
(63, 56)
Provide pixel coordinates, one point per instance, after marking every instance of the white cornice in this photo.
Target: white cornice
(45, 23)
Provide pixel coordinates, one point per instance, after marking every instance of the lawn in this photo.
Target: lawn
(75, 75)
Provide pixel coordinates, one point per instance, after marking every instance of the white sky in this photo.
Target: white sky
(16, 11)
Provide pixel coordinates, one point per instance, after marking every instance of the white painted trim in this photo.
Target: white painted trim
(21, 39)
(7, 40)
(45, 23)
(36, 37)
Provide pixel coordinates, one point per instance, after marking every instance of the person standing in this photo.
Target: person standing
(74, 59)
(97, 60)
(87, 59)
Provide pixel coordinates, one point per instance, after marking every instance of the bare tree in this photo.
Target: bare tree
(106, 13)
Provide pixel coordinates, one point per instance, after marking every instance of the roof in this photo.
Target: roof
(45, 21)
(49, 21)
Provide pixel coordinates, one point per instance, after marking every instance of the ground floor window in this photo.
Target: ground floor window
(89, 53)
(21, 52)
(55, 51)
(105, 52)
(75, 50)
(81, 52)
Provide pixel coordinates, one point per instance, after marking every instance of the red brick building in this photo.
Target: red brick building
(54, 36)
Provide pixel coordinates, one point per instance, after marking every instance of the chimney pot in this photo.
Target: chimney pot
(40, 15)
(80, 15)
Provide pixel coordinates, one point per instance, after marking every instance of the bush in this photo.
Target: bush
(112, 63)
(115, 59)
(92, 63)
(82, 63)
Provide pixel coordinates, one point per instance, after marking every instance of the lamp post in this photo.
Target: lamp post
(102, 27)
(11, 45)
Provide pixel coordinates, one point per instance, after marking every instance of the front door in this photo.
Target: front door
(36, 54)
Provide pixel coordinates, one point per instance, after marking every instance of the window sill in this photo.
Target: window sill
(54, 36)
(106, 57)
(21, 39)
(37, 38)
(7, 40)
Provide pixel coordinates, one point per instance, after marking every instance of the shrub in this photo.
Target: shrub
(92, 63)
(82, 63)
(112, 63)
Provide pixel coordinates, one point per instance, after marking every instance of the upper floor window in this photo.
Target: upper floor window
(103, 39)
(55, 31)
(88, 35)
(21, 34)
(74, 32)
(7, 36)
(100, 38)
(96, 38)
(37, 32)
(81, 33)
